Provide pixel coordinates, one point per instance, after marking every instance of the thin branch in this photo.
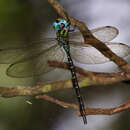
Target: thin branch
(107, 111)
(92, 78)
(41, 88)
(56, 101)
(89, 111)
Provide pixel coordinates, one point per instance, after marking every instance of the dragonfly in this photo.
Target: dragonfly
(32, 59)
(62, 28)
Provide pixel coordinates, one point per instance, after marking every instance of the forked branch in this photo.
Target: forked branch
(89, 111)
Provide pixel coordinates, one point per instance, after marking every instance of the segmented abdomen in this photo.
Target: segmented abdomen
(74, 79)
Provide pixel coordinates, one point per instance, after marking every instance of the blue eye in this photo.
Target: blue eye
(56, 26)
(63, 22)
(58, 22)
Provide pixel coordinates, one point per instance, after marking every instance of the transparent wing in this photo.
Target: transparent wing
(31, 59)
(104, 34)
(22, 51)
(13, 54)
(36, 65)
(90, 55)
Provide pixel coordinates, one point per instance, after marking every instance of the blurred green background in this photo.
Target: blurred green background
(20, 20)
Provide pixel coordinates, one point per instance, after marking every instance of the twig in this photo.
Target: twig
(107, 111)
(41, 88)
(92, 78)
(61, 103)
(89, 111)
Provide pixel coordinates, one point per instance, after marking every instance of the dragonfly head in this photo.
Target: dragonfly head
(59, 24)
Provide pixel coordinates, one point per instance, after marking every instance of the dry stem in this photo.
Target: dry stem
(89, 111)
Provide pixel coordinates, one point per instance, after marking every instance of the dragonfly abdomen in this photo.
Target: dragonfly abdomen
(74, 79)
(76, 87)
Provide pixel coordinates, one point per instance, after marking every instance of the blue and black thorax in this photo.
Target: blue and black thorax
(62, 29)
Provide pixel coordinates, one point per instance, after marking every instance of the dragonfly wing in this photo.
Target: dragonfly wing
(13, 54)
(36, 65)
(104, 34)
(76, 36)
(90, 55)
(8, 56)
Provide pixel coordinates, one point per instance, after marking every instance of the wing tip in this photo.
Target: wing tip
(117, 31)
